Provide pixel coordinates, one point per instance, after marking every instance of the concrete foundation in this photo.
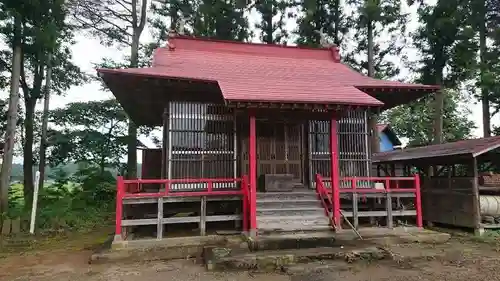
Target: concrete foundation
(276, 252)
(163, 249)
(228, 259)
(399, 235)
(245, 252)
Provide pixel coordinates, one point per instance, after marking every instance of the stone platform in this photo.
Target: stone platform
(164, 249)
(273, 260)
(398, 235)
(271, 252)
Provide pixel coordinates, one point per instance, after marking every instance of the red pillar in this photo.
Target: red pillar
(418, 201)
(335, 170)
(120, 190)
(244, 189)
(252, 159)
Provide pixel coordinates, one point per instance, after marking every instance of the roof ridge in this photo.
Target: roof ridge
(253, 48)
(203, 38)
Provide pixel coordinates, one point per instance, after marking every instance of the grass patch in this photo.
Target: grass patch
(73, 212)
(49, 241)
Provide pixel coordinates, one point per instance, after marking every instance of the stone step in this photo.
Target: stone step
(299, 240)
(227, 259)
(287, 211)
(269, 228)
(309, 219)
(274, 203)
(287, 195)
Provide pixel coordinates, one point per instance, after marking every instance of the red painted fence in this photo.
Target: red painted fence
(132, 189)
(390, 185)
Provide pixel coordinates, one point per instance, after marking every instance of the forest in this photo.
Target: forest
(454, 43)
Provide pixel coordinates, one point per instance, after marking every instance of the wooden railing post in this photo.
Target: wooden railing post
(316, 180)
(388, 203)
(418, 201)
(120, 190)
(245, 198)
(253, 210)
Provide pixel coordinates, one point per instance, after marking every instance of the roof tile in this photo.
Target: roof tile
(471, 147)
(260, 72)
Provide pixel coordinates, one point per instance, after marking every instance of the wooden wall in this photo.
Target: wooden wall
(448, 201)
(151, 167)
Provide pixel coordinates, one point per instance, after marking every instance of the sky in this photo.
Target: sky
(88, 51)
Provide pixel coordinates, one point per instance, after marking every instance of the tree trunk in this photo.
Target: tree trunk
(336, 31)
(438, 117)
(268, 17)
(45, 121)
(485, 101)
(10, 133)
(28, 151)
(132, 129)
(375, 142)
(138, 23)
(371, 62)
(438, 110)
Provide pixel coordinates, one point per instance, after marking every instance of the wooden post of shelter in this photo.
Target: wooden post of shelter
(478, 230)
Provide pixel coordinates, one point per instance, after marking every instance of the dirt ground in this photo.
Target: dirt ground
(461, 259)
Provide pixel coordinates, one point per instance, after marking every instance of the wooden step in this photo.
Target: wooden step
(276, 203)
(293, 223)
(287, 195)
(290, 211)
(268, 228)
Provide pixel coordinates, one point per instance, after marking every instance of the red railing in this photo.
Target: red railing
(131, 189)
(324, 194)
(389, 185)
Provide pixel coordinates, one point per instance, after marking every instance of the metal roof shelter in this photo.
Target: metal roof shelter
(446, 153)
(249, 74)
(454, 189)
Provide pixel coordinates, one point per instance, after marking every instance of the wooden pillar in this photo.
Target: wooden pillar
(159, 226)
(165, 146)
(203, 216)
(478, 230)
(334, 173)
(374, 135)
(374, 148)
(252, 159)
(164, 170)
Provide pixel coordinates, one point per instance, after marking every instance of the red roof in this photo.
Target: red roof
(266, 73)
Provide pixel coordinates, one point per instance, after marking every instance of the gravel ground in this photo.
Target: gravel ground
(460, 259)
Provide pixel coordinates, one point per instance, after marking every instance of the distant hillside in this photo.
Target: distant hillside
(71, 168)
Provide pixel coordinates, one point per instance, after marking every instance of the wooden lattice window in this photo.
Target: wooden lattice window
(202, 141)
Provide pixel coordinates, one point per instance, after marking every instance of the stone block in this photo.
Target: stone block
(268, 261)
(6, 226)
(294, 241)
(278, 182)
(16, 226)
